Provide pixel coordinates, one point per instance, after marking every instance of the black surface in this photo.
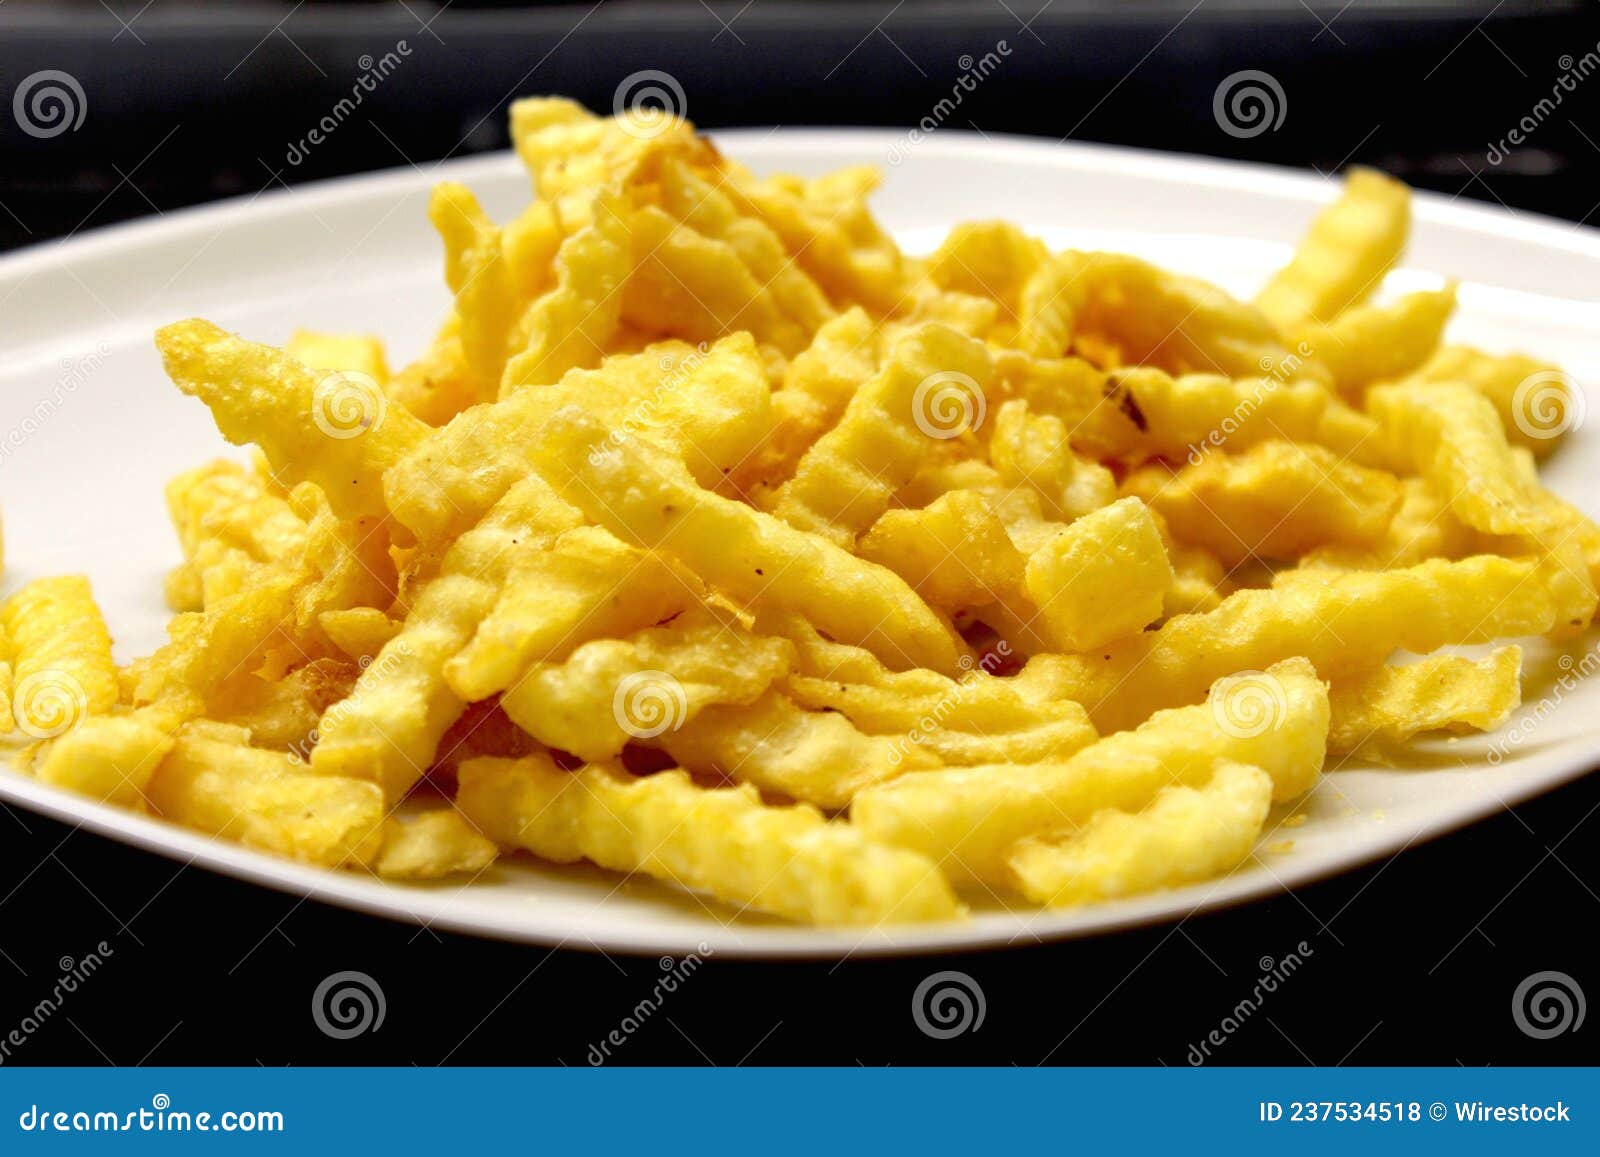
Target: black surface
(1413, 960)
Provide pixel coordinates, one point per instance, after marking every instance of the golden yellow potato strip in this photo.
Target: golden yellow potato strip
(529, 243)
(389, 728)
(360, 632)
(1185, 835)
(1376, 343)
(932, 387)
(969, 819)
(230, 529)
(976, 718)
(61, 666)
(828, 230)
(334, 429)
(774, 744)
(1343, 621)
(642, 493)
(787, 861)
(1438, 693)
(571, 325)
(991, 259)
(214, 781)
(642, 687)
(362, 353)
(1129, 312)
(1103, 577)
(110, 758)
(1422, 527)
(1537, 402)
(712, 405)
(283, 713)
(439, 384)
(431, 845)
(1046, 314)
(817, 385)
(229, 641)
(588, 585)
(925, 303)
(1451, 435)
(475, 269)
(1199, 581)
(1350, 246)
(1034, 450)
(1276, 500)
(954, 551)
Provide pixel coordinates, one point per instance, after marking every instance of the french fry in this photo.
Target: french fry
(1104, 577)
(61, 666)
(1376, 343)
(475, 269)
(1034, 450)
(930, 388)
(1186, 834)
(969, 819)
(1276, 500)
(1344, 256)
(332, 429)
(954, 552)
(787, 861)
(1535, 399)
(432, 845)
(1438, 693)
(638, 491)
(362, 353)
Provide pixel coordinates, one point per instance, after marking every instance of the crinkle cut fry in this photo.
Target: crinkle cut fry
(640, 491)
(389, 729)
(1437, 693)
(969, 819)
(61, 665)
(259, 394)
(1344, 621)
(787, 861)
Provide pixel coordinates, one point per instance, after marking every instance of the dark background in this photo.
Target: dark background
(1411, 961)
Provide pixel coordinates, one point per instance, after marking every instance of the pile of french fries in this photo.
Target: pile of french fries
(715, 539)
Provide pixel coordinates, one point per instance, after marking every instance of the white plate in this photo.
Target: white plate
(90, 430)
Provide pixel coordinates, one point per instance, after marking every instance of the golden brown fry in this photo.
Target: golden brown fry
(970, 819)
(1378, 342)
(954, 551)
(638, 491)
(61, 666)
(431, 845)
(334, 429)
(1104, 577)
(476, 271)
(1186, 834)
(1535, 399)
(1438, 693)
(1344, 256)
(788, 861)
